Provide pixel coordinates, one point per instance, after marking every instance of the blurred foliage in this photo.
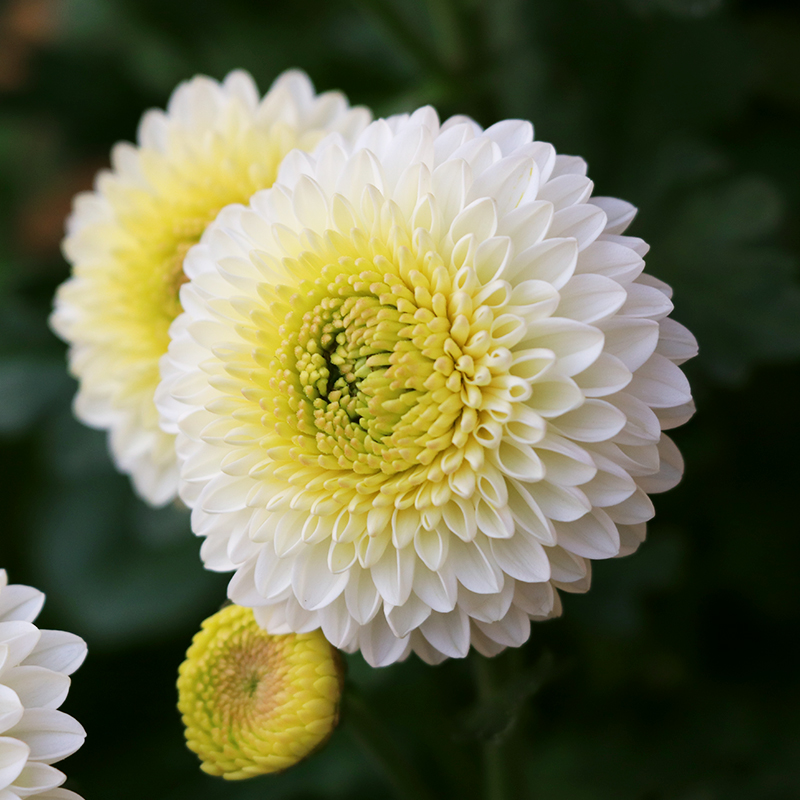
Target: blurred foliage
(675, 678)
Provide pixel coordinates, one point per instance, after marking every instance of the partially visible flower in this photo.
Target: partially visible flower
(216, 144)
(418, 385)
(254, 703)
(34, 669)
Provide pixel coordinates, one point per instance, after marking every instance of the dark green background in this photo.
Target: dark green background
(676, 676)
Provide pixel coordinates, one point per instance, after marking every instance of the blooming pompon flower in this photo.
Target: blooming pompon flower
(34, 669)
(418, 385)
(216, 144)
(255, 703)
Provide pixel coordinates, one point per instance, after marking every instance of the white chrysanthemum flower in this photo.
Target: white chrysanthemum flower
(34, 669)
(418, 385)
(216, 144)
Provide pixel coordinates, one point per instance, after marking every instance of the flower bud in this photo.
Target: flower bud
(255, 703)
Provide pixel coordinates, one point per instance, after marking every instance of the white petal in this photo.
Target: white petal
(584, 223)
(554, 396)
(13, 756)
(448, 633)
(510, 134)
(636, 509)
(473, 567)
(620, 214)
(478, 218)
(563, 503)
(631, 340)
(59, 651)
(511, 631)
(439, 590)
(449, 187)
(11, 708)
(569, 165)
(20, 638)
(575, 344)
(621, 264)
(566, 567)
(566, 463)
(552, 261)
(645, 301)
(51, 735)
(527, 514)
(535, 599)
(487, 607)
(379, 645)
(19, 602)
(677, 415)
(313, 584)
(592, 536)
(361, 596)
(594, 421)
(606, 376)
(432, 546)
(37, 778)
(630, 537)
(590, 298)
(337, 625)
(566, 190)
(670, 469)
(517, 460)
(406, 618)
(522, 557)
(526, 226)
(481, 642)
(676, 342)
(423, 648)
(59, 794)
(611, 485)
(38, 687)
(660, 384)
(642, 426)
(394, 575)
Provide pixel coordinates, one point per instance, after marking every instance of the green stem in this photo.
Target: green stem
(494, 773)
(373, 737)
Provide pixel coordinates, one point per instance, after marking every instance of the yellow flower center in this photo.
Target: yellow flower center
(391, 377)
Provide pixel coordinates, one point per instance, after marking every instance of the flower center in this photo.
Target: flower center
(247, 676)
(391, 372)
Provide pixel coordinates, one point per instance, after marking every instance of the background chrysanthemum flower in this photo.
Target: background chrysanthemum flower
(216, 144)
(34, 669)
(419, 384)
(254, 703)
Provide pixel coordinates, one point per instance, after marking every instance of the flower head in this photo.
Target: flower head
(34, 669)
(216, 144)
(418, 385)
(254, 703)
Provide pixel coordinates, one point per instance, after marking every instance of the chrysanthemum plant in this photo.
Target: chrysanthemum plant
(410, 390)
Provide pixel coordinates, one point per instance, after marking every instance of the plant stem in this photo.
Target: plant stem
(494, 773)
(373, 737)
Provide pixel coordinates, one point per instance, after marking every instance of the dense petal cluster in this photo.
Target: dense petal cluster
(419, 383)
(254, 703)
(216, 144)
(34, 680)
